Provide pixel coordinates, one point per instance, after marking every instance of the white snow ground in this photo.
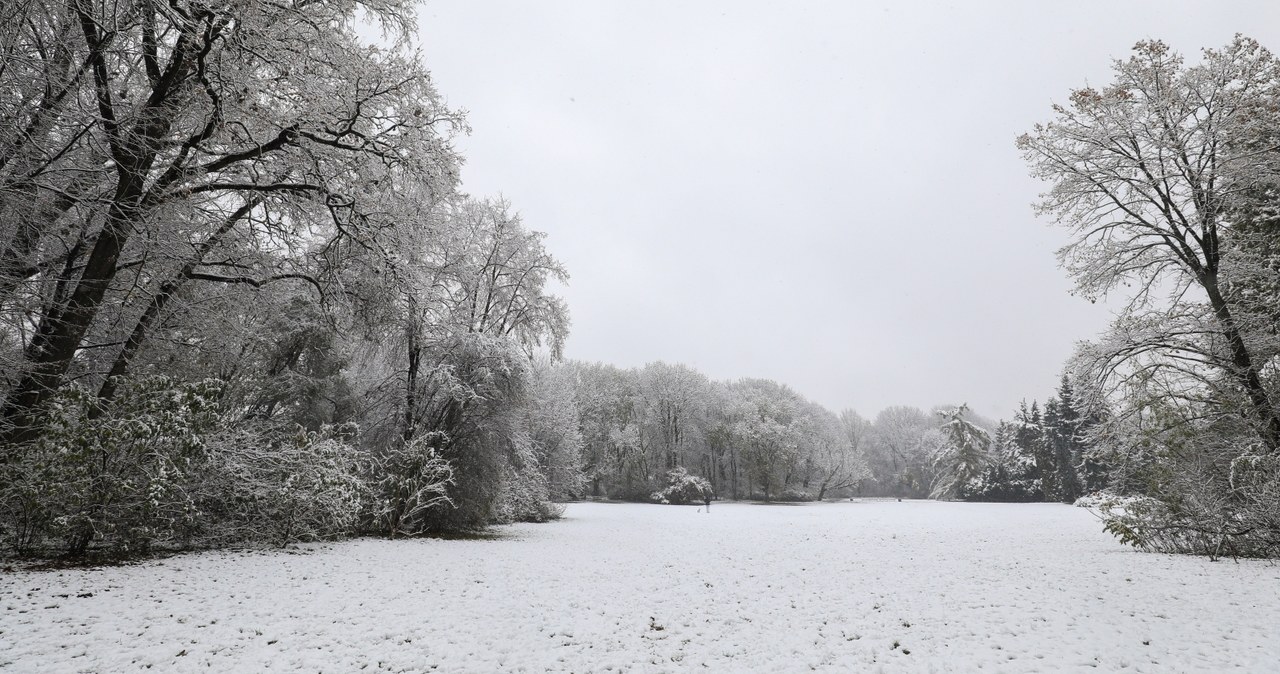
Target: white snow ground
(852, 587)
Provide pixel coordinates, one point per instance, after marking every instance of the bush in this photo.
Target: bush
(682, 488)
(162, 465)
(268, 486)
(795, 495)
(525, 493)
(1211, 506)
(117, 474)
(410, 481)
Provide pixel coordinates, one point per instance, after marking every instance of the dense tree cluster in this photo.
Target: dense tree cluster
(241, 298)
(751, 438)
(1042, 455)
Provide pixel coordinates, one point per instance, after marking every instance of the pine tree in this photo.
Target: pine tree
(1065, 439)
(1029, 438)
(962, 458)
(1008, 475)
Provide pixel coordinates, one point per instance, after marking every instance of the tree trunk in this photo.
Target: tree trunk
(1243, 368)
(411, 384)
(63, 326)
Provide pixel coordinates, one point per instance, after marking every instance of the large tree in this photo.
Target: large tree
(1147, 173)
(150, 145)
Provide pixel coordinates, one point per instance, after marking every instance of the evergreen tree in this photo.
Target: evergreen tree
(963, 456)
(1029, 438)
(1064, 436)
(1011, 475)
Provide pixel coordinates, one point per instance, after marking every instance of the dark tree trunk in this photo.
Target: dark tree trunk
(411, 385)
(1243, 368)
(134, 149)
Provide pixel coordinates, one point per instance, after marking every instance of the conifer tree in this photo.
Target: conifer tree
(962, 457)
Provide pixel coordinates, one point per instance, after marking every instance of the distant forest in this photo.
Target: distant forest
(243, 300)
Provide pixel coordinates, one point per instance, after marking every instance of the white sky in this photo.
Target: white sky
(823, 193)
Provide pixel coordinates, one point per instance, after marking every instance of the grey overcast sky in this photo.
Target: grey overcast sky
(822, 193)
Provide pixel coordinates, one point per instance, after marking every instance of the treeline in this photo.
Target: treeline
(241, 297)
(1044, 454)
(750, 438)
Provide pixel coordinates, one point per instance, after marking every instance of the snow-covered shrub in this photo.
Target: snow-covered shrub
(410, 480)
(525, 495)
(1095, 500)
(1152, 525)
(682, 488)
(795, 494)
(1208, 502)
(119, 474)
(161, 464)
(276, 487)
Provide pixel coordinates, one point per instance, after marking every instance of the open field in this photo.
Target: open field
(875, 586)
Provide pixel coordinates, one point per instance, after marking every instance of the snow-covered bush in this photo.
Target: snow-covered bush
(409, 481)
(523, 497)
(1095, 500)
(1216, 503)
(161, 464)
(525, 492)
(279, 488)
(795, 494)
(119, 474)
(682, 488)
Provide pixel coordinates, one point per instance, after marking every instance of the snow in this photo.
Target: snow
(868, 587)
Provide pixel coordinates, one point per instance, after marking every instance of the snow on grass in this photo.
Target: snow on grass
(875, 586)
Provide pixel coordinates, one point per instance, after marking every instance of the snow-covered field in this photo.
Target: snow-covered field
(851, 587)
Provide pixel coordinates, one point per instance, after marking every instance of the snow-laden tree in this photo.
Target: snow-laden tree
(674, 399)
(607, 406)
(1011, 473)
(554, 430)
(962, 456)
(900, 446)
(835, 461)
(1168, 178)
(1146, 173)
(147, 146)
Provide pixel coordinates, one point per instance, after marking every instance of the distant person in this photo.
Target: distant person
(706, 498)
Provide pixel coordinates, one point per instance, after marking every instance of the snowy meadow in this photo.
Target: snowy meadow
(837, 587)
